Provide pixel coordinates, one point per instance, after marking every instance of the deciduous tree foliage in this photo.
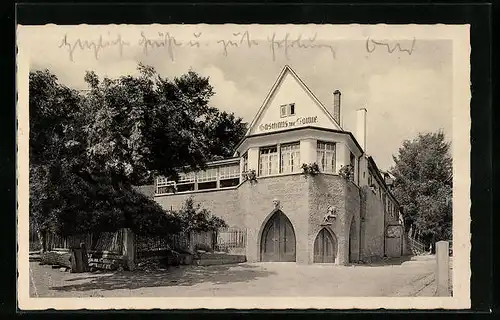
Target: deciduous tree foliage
(423, 185)
(148, 125)
(195, 218)
(87, 151)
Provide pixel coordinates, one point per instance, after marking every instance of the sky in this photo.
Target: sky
(405, 92)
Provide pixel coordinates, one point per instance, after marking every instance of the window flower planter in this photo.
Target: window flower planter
(250, 175)
(347, 172)
(310, 169)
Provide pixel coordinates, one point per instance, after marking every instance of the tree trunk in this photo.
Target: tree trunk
(42, 237)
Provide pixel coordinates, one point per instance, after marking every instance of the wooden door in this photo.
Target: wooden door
(278, 239)
(324, 247)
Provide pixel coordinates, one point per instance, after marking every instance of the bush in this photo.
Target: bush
(194, 218)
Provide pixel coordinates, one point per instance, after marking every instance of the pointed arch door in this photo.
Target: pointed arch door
(324, 247)
(278, 239)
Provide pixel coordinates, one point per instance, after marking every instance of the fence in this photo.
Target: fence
(108, 249)
(54, 241)
(416, 246)
(150, 246)
(230, 239)
(102, 242)
(107, 241)
(203, 240)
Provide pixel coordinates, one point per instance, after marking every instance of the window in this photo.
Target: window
(229, 176)
(164, 186)
(207, 179)
(352, 159)
(186, 182)
(326, 156)
(283, 111)
(268, 162)
(290, 158)
(207, 175)
(287, 110)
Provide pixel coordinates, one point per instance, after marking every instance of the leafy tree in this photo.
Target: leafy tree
(423, 185)
(224, 132)
(146, 125)
(87, 151)
(56, 147)
(68, 193)
(55, 111)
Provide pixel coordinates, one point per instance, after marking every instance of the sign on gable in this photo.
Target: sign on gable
(288, 123)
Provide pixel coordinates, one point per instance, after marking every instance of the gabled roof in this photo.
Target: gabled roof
(287, 69)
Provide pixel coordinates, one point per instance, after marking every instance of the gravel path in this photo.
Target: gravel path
(396, 278)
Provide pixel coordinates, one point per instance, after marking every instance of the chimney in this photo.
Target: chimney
(336, 106)
(361, 128)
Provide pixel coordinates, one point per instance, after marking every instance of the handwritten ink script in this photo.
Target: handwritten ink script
(276, 45)
(288, 44)
(96, 46)
(372, 45)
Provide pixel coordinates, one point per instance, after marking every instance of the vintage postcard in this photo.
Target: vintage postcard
(243, 166)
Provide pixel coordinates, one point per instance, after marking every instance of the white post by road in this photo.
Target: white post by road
(442, 268)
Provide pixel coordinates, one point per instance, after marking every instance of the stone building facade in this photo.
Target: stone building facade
(302, 187)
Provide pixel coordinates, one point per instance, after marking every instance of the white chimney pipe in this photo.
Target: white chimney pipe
(336, 106)
(361, 128)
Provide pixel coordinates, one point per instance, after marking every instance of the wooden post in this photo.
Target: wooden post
(85, 257)
(74, 262)
(442, 268)
(129, 248)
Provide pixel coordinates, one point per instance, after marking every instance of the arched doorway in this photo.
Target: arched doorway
(325, 247)
(278, 239)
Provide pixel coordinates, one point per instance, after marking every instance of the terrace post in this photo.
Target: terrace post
(218, 178)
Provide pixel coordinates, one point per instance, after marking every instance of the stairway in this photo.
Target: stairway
(417, 247)
(208, 259)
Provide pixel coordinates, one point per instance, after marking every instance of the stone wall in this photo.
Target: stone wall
(305, 201)
(326, 191)
(222, 203)
(256, 200)
(353, 206)
(373, 226)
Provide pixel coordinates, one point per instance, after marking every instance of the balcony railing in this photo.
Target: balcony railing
(215, 177)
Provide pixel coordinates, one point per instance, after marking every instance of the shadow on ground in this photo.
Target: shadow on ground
(387, 262)
(182, 276)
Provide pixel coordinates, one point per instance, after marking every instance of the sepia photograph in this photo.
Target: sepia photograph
(243, 166)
